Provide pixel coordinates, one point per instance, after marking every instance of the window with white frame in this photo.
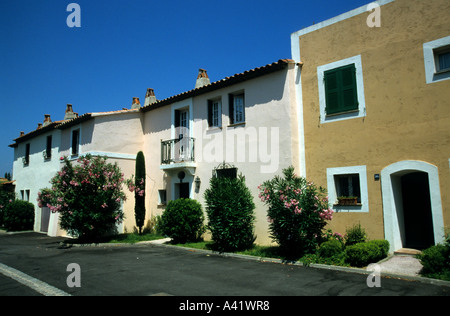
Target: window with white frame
(75, 142)
(341, 90)
(162, 195)
(348, 183)
(214, 113)
(237, 108)
(437, 60)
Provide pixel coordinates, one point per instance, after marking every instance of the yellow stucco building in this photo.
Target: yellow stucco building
(374, 88)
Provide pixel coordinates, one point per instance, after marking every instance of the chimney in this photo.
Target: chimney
(70, 114)
(150, 97)
(22, 133)
(202, 79)
(39, 126)
(47, 120)
(136, 104)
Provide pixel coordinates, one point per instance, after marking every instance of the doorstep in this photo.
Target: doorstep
(407, 252)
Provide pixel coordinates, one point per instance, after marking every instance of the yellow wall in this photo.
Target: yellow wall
(406, 119)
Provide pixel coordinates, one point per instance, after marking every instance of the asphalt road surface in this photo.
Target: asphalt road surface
(35, 264)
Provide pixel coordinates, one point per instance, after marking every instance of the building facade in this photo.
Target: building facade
(362, 109)
(246, 123)
(376, 118)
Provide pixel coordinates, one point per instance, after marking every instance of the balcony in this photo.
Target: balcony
(178, 154)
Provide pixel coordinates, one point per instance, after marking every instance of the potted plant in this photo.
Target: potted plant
(347, 200)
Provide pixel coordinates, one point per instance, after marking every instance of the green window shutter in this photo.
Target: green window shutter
(332, 92)
(340, 89)
(349, 91)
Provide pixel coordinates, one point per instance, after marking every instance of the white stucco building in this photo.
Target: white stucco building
(247, 122)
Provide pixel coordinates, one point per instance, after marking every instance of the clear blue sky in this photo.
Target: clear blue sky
(124, 47)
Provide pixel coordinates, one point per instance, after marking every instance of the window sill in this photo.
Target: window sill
(342, 113)
(440, 72)
(342, 205)
(214, 129)
(236, 124)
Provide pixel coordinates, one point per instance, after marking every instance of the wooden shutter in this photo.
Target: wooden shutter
(177, 118)
(231, 108)
(210, 113)
(332, 91)
(349, 93)
(340, 89)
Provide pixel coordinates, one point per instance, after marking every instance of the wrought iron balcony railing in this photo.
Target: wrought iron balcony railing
(177, 150)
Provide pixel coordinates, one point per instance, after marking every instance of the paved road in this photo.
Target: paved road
(157, 270)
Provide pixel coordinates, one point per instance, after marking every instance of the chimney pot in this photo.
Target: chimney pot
(22, 133)
(47, 120)
(69, 113)
(136, 103)
(39, 125)
(202, 78)
(150, 97)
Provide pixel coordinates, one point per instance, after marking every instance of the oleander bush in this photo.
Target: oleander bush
(298, 212)
(88, 197)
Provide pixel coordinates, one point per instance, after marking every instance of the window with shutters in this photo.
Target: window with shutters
(75, 142)
(237, 108)
(341, 90)
(214, 113)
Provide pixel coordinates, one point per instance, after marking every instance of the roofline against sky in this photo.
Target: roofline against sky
(228, 81)
(338, 18)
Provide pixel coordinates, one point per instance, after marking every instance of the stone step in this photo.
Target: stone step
(407, 252)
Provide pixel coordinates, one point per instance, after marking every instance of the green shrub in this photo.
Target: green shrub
(18, 216)
(355, 235)
(139, 195)
(298, 212)
(330, 249)
(182, 221)
(230, 214)
(435, 259)
(362, 254)
(88, 197)
(6, 197)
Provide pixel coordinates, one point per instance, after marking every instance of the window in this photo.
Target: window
(237, 108)
(214, 113)
(48, 148)
(75, 142)
(230, 173)
(437, 60)
(347, 185)
(348, 182)
(162, 197)
(341, 90)
(26, 159)
(442, 59)
(27, 195)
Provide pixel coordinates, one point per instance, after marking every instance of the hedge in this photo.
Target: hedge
(362, 254)
(18, 216)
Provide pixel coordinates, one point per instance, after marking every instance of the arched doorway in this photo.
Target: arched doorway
(412, 208)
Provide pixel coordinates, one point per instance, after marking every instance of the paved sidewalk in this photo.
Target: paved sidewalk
(401, 265)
